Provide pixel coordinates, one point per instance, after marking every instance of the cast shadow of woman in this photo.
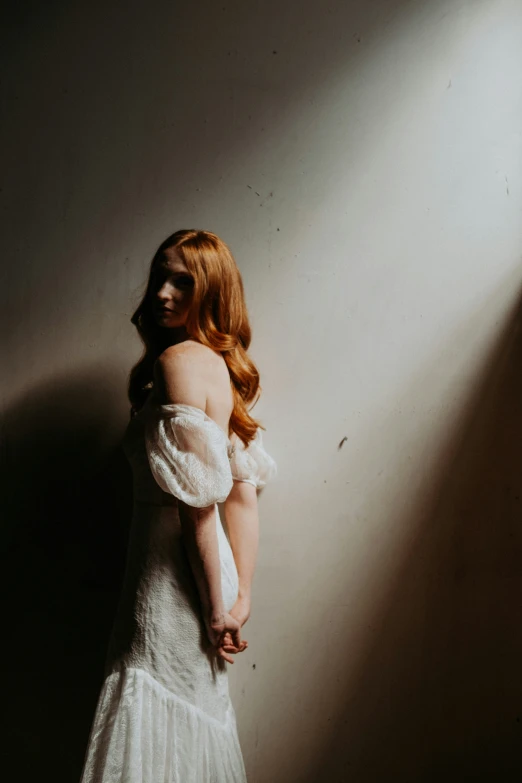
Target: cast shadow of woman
(67, 506)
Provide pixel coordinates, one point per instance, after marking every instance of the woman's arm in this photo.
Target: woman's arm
(179, 379)
(199, 531)
(242, 521)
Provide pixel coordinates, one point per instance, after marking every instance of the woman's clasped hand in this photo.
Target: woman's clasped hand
(225, 632)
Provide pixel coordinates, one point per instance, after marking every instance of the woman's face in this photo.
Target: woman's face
(171, 290)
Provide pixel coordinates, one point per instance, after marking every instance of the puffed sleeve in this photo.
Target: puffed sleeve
(252, 464)
(188, 454)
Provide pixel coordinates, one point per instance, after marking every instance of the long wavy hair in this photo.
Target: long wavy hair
(217, 318)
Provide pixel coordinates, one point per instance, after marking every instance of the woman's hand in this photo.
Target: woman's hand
(240, 612)
(224, 632)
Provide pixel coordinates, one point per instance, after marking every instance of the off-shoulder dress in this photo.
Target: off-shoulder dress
(164, 714)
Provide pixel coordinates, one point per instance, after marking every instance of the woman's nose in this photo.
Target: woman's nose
(165, 292)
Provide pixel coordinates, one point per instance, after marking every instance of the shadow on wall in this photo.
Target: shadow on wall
(437, 694)
(67, 507)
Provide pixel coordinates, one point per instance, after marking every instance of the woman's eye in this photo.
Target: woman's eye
(184, 281)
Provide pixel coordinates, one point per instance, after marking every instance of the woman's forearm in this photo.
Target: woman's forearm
(242, 521)
(199, 530)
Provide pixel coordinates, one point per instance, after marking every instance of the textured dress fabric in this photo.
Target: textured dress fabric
(164, 714)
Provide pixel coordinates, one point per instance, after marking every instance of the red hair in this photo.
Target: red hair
(217, 318)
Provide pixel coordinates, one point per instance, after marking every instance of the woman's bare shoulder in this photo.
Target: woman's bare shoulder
(189, 349)
(179, 375)
(189, 355)
(191, 369)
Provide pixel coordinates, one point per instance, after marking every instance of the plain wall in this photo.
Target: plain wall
(363, 162)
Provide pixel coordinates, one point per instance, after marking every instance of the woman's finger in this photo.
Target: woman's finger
(231, 647)
(225, 655)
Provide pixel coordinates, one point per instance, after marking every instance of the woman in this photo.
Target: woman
(164, 713)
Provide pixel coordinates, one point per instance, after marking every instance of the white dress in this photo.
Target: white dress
(164, 713)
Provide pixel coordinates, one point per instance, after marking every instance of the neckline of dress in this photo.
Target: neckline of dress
(183, 405)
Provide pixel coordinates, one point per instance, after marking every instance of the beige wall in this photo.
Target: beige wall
(363, 162)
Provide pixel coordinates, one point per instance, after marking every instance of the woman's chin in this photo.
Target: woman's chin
(168, 321)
